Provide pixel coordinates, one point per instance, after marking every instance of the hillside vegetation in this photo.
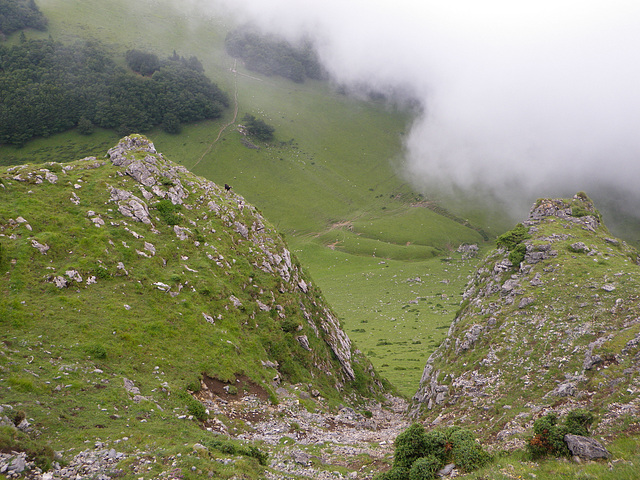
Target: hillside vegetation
(128, 284)
(550, 323)
(329, 179)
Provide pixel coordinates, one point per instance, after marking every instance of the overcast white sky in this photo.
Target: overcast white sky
(542, 92)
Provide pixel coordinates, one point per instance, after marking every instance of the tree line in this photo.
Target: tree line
(271, 55)
(17, 15)
(47, 87)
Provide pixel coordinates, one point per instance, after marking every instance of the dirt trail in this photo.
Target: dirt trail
(233, 120)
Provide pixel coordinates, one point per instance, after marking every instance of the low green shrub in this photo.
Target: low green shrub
(424, 453)
(466, 453)
(12, 439)
(517, 254)
(194, 406)
(96, 351)
(290, 325)
(168, 212)
(231, 448)
(410, 445)
(548, 435)
(512, 238)
(578, 421)
(425, 468)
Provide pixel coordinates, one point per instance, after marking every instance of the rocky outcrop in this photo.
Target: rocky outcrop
(543, 335)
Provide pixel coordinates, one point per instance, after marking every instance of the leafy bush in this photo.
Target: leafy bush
(466, 453)
(258, 128)
(194, 406)
(425, 468)
(168, 212)
(578, 421)
(548, 435)
(548, 438)
(97, 351)
(230, 448)
(512, 241)
(512, 238)
(290, 325)
(517, 254)
(410, 445)
(424, 453)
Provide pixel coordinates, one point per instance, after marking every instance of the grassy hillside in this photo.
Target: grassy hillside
(549, 324)
(330, 178)
(140, 271)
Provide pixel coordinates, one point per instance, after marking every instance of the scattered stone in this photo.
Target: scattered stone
(526, 301)
(304, 342)
(181, 233)
(130, 387)
(586, 448)
(74, 275)
(468, 251)
(446, 470)
(150, 248)
(578, 247)
(41, 248)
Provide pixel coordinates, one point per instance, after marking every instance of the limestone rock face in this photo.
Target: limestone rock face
(550, 334)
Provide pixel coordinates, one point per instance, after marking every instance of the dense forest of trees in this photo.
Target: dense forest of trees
(19, 14)
(270, 55)
(47, 87)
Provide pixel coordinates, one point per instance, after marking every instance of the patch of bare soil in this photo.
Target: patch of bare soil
(231, 391)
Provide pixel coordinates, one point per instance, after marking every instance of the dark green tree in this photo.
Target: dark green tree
(258, 128)
(85, 127)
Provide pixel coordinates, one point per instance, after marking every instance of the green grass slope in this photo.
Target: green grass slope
(550, 322)
(131, 267)
(330, 180)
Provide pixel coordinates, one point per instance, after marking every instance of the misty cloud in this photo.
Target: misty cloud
(527, 98)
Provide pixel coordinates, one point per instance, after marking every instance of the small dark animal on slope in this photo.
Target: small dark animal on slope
(227, 187)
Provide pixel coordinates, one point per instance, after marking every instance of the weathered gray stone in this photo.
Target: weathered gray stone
(130, 387)
(41, 248)
(446, 470)
(236, 302)
(579, 247)
(586, 448)
(304, 342)
(241, 229)
(526, 301)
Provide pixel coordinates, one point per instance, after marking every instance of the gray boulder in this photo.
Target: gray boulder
(585, 447)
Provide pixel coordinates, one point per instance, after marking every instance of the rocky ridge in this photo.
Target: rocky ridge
(124, 281)
(558, 331)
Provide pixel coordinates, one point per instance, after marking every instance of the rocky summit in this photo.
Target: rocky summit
(139, 302)
(550, 322)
